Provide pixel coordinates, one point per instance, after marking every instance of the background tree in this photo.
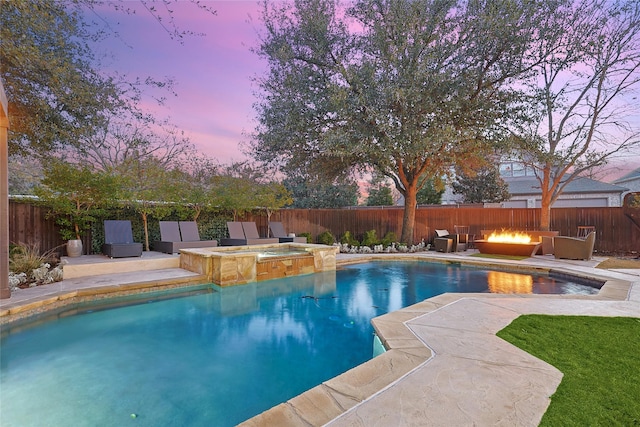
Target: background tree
(151, 189)
(408, 88)
(380, 196)
(272, 196)
(485, 186)
(379, 193)
(430, 193)
(582, 94)
(39, 41)
(198, 191)
(120, 141)
(57, 91)
(318, 192)
(77, 195)
(25, 173)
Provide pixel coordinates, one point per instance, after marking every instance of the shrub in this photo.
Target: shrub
(26, 258)
(326, 238)
(388, 239)
(370, 238)
(348, 238)
(308, 236)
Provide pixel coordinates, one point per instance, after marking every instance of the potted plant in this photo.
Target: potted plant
(76, 195)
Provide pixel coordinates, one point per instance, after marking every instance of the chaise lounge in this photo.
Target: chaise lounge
(244, 233)
(118, 240)
(574, 247)
(277, 231)
(178, 235)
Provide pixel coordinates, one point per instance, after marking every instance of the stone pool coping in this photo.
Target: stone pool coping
(443, 366)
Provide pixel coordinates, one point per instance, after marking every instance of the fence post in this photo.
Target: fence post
(5, 292)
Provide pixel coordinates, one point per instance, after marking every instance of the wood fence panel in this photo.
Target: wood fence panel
(28, 224)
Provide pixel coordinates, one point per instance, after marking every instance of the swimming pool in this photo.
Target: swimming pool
(218, 357)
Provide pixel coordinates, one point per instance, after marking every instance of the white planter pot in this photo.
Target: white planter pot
(74, 248)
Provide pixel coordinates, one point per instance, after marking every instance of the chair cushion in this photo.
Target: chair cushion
(235, 230)
(169, 231)
(189, 231)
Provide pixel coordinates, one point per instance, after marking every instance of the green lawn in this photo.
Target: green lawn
(600, 360)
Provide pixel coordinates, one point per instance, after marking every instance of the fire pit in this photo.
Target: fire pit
(508, 243)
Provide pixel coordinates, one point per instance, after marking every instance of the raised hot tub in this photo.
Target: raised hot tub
(237, 265)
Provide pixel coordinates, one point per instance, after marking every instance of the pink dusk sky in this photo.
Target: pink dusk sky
(213, 73)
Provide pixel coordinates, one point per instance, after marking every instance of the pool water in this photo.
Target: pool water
(217, 358)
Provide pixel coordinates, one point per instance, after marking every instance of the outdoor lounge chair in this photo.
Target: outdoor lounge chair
(573, 247)
(277, 231)
(244, 233)
(445, 242)
(118, 240)
(180, 235)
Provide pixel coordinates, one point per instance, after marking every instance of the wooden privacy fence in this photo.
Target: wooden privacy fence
(616, 233)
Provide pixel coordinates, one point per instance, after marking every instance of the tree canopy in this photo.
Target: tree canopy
(408, 88)
(55, 93)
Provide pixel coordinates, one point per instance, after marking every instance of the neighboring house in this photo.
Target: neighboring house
(631, 181)
(581, 192)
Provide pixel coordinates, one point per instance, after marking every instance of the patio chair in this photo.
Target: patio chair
(464, 238)
(573, 247)
(191, 236)
(253, 238)
(446, 242)
(118, 240)
(180, 235)
(277, 231)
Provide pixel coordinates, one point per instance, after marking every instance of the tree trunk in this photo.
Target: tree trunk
(545, 200)
(146, 231)
(409, 216)
(545, 216)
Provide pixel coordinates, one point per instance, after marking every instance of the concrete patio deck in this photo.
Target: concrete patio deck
(444, 364)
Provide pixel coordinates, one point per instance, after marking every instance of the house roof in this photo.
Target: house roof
(522, 186)
(628, 177)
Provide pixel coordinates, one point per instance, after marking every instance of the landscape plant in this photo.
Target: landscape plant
(389, 238)
(326, 238)
(307, 235)
(25, 258)
(30, 267)
(349, 239)
(370, 238)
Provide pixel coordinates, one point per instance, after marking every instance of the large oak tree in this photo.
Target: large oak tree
(407, 88)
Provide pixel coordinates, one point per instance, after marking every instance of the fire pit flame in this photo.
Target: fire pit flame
(509, 237)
